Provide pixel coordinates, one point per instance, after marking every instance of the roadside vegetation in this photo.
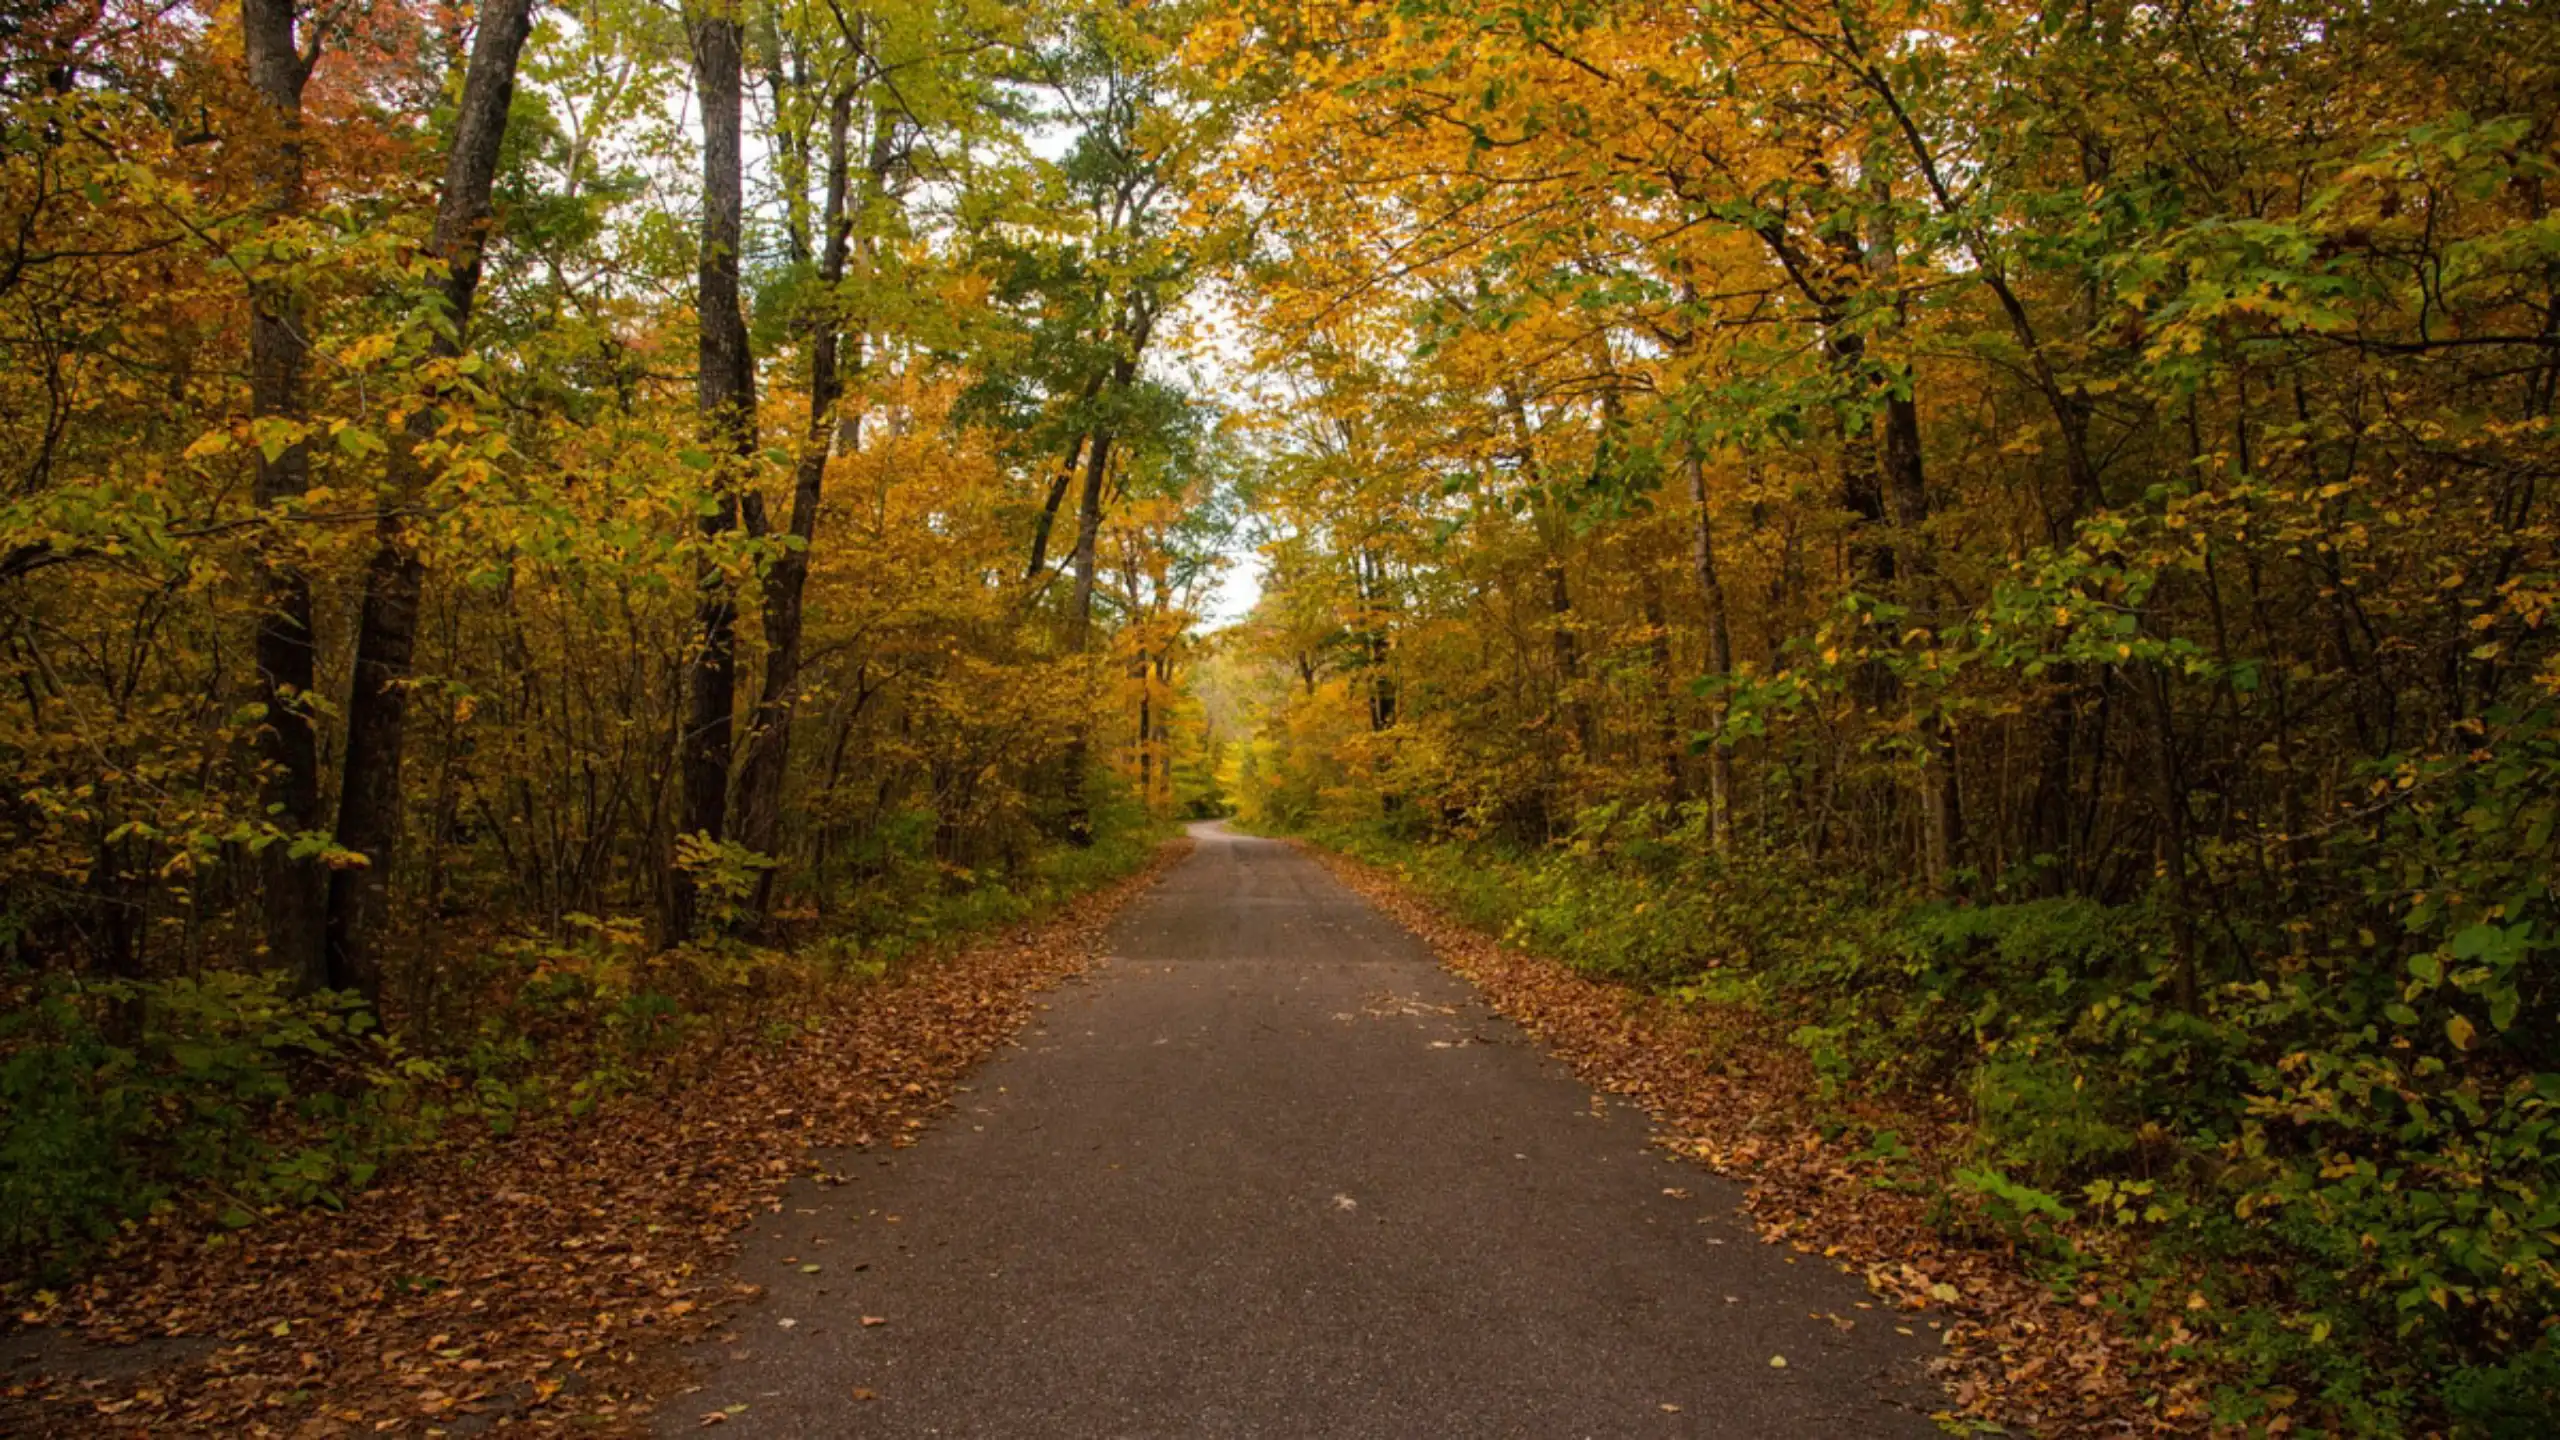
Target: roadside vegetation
(208, 1104)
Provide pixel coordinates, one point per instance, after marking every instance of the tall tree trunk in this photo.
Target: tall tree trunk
(1562, 645)
(1163, 673)
(1666, 706)
(1080, 631)
(387, 628)
(1906, 498)
(279, 346)
(724, 396)
(1369, 578)
(1566, 648)
(1719, 660)
(2169, 805)
(1048, 521)
(1145, 674)
(786, 581)
(1058, 485)
(1088, 543)
(1369, 581)
(1123, 372)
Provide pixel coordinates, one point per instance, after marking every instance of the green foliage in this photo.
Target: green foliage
(114, 1098)
(2027, 1215)
(726, 877)
(2045, 1121)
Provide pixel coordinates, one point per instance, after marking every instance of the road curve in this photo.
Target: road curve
(1270, 1171)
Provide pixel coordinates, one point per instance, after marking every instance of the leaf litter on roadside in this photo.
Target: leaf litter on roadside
(546, 1278)
(1726, 1094)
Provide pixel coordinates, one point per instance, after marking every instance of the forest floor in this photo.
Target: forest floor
(539, 1282)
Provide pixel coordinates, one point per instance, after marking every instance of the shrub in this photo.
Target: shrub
(114, 1097)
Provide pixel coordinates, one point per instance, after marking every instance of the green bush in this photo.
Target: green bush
(115, 1097)
(2039, 1118)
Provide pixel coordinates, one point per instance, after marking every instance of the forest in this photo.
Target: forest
(1995, 548)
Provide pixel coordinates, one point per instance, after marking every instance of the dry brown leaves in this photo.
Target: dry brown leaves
(1726, 1092)
(543, 1281)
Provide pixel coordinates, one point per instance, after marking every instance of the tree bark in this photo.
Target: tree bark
(1123, 372)
(1048, 521)
(1666, 705)
(387, 628)
(1088, 541)
(1369, 581)
(279, 347)
(786, 582)
(2169, 804)
(1562, 645)
(1080, 631)
(724, 397)
(1906, 498)
(1719, 661)
(1059, 485)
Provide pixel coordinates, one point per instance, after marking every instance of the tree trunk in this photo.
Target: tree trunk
(1088, 542)
(1048, 521)
(1369, 577)
(1666, 711)
(2169, 802)
(1719, 662)
(1059, 485)
(1080, 631)
(1146, 731)
(1906, 498)
(724, 396)
(296, 888)
(1567, 650)
(1163, 674)
(785, 583)
(387, 629)
(1080, 606)
(1562, 646)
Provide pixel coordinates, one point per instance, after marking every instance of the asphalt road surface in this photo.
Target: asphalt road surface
(1270, 1171)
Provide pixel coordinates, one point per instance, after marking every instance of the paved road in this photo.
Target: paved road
(1272, 1172)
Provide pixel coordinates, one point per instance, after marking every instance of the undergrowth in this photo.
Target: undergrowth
(222, 1092)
